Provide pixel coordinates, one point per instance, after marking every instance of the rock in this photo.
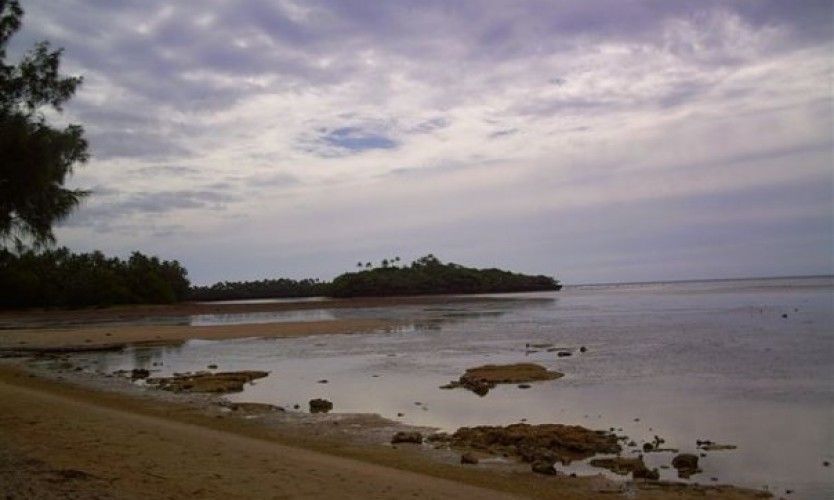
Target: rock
(468, 458)
(207, 382)
(483, 378)
(563, 354)
(320, 405)
(407, 437)
(139, 373)
(322, 381)
(400, 414)
(438, 437)
(533, 443)
(632, 443)
(583, 349)
(524, 386)
(296, 407)
(212, 366)
(686, 464)
(826, 463)
(543, 467)
(648, 447)
(784, 316)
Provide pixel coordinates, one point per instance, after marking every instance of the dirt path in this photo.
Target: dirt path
(54, 445)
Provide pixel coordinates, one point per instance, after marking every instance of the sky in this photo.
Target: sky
(595, 141)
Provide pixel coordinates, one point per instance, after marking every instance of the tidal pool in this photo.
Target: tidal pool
(748, 363)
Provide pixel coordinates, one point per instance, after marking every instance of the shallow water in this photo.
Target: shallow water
(699, 360)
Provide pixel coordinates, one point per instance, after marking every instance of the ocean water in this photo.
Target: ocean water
(742, 362)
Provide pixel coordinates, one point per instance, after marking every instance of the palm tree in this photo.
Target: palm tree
(368, 265)
(385, 263)
(358, 264)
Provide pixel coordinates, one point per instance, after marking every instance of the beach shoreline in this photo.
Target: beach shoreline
(120, 439)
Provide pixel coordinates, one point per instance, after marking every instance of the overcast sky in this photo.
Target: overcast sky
(596, 141)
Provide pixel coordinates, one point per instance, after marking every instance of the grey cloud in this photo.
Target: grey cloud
(503, 133)
(429, 126)
(109, 213)
(165, 170)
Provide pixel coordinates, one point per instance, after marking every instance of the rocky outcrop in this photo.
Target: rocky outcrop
(220, 382)
(483, 378)
(537, 443)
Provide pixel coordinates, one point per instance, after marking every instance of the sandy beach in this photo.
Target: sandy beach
(65, 441)
(114, 337)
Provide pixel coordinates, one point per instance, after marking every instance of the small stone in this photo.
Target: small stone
(400, 414)
(647, 447)
(322, 381)
(583, 349)
(632, 443)
(826, 463)
(524, 386)
(212, 367)
(563, 354)
(296, 407)
(469, 459)
(784, 316)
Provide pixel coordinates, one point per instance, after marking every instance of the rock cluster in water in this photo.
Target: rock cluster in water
(206, 382)
(535, 444)
(483, 378)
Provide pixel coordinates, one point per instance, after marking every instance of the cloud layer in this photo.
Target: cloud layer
(595, 140)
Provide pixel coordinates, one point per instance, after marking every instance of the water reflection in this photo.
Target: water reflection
(680, 363)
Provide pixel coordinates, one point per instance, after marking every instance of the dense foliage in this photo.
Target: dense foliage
(263, 289)
(428, 275)
(35, 158)
(59, 278)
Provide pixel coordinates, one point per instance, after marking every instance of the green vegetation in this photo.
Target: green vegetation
(35, 158)
(59, 278)
(428, 275)
(424, 276)
(263, 289)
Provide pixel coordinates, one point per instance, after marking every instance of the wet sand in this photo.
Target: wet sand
(59, 440)
(117, 336)
(52, 317)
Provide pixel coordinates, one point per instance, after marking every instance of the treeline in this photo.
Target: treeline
(428, 275)
(60, 278)
(263, 289)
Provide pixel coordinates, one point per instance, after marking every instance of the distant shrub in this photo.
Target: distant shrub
(263, 289)
(428, 275)
(60, 278)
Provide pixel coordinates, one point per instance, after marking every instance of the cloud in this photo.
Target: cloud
(358, 127)
(356, 139)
